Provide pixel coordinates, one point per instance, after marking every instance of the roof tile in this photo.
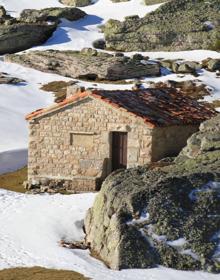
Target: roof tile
(158, 107)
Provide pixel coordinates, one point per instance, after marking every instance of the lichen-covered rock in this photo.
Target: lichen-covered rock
(179, 66)
(7, 79)
(196, 27)
(117, 1)
(99, 44)
(153, 2)
(76, 3)
(51, 14)
(34, 27)
(211, 64)
(162, 214)
(20, 36)
(87, 64)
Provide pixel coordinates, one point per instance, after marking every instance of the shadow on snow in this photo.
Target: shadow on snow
(61, 36)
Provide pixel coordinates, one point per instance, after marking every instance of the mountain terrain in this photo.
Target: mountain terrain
(168, 210)
(196, 27)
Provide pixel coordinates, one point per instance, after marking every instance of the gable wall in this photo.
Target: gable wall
(58, 149)
(169, 141)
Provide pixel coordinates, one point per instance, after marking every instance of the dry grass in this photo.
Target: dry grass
(58, 88)
(39, 273)
(13, 181)
(216, 103)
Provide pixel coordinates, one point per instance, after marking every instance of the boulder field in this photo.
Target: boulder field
(34, 27)
(166, 213)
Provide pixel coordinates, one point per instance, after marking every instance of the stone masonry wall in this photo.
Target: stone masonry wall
(74, 143)
(169, 141)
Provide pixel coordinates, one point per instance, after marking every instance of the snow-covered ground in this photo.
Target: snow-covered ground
(18, 100)
(31, 227)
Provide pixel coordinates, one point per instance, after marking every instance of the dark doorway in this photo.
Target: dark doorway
(119, 150)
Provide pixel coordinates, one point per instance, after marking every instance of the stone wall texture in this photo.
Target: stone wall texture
(73, 144)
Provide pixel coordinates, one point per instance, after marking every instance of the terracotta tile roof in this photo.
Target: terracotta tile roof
(158, 107)
(56, 106)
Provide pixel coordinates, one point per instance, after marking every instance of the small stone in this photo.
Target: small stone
(44, 189)
(99, 44)
(89, 51)
(137, 56)
(213, 65)
(119, 54)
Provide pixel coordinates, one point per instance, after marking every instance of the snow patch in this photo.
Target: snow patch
(144, 217)
(31, 227)
(206, 188)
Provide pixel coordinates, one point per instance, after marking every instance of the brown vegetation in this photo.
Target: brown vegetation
(13, 181)
(58, 88)
(39, 273)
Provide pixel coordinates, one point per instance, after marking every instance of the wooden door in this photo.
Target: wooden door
(119, 150)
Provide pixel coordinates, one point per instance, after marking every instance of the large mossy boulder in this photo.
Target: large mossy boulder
(20, 36)
(162, 215)
(51, 14)
(196, 25)
(34, 27)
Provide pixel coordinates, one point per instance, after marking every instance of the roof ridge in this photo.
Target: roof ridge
(157, 107)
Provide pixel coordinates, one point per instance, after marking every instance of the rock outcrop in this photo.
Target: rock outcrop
(6, 79)
(196, 24)
(20, 36)
(32, 28)
(211, 64)
(76, 3)
(87, 64)
(51, 14)
(166, 213)
(153, 2)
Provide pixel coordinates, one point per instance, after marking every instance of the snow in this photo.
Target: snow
(213, 82)
(189, 252)
(80, 34)
(216, 237)
(144, 217)
(18, 100)
(206, 188)
(15, 7)
(177, 243)
(31, 227)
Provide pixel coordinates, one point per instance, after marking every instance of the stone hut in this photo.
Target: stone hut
(81, 140)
